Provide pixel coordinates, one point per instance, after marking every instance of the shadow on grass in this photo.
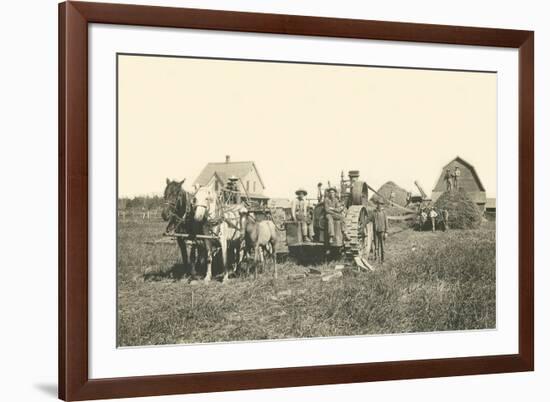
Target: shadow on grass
(176, 272)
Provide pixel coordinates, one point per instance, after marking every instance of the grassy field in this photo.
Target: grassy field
(430, 282)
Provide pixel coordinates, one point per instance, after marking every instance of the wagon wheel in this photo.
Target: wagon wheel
(359, 193)
(359, 231)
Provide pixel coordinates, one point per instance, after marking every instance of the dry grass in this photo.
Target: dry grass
(446, 283)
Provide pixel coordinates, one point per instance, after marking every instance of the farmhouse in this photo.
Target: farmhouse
(469, 182)
(217, 174)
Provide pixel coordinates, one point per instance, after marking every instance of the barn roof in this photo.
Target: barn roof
(224, 170)
(469, 166)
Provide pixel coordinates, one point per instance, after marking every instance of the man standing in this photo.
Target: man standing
(456, 177)
(448, 180)
(380, 226)
(299, 213)
(433, 214)
(423, 219)
(334, 212)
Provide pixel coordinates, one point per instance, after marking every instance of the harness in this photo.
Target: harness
(173, 207)
(214, 221)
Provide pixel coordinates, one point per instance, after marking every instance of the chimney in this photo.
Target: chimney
(227, 158)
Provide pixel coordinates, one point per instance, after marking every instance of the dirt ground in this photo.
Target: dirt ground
(429, 282)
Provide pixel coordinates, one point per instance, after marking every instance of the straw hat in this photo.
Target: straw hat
(301, 190)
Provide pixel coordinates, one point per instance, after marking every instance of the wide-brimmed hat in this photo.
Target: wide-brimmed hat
(332, 188)
(300, 190)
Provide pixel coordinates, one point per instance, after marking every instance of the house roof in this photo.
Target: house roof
(469, 166)
(224, 170)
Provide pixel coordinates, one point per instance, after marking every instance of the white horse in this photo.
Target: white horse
(220, 221)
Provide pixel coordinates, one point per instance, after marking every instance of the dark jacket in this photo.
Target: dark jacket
(380, 221)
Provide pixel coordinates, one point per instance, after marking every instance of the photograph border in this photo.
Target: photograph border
(74, 381)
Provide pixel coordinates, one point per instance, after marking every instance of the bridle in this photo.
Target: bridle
(207, 206)
(172, 207)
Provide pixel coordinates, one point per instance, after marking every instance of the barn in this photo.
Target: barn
(469, 182)
(217, 173)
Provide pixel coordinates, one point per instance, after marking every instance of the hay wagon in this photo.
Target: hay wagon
(356, 243)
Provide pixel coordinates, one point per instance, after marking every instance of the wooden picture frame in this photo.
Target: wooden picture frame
(74, 381)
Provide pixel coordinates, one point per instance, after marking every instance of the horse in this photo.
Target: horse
(260, 236)
(213, 218)
(177, 212)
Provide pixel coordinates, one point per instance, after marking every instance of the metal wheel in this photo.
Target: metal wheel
(359, 231)
(359, 193)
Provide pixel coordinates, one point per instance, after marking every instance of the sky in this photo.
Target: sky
(301, 123)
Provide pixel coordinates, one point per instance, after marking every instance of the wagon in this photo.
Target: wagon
(358, 228)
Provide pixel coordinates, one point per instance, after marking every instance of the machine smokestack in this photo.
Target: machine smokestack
(227, 158)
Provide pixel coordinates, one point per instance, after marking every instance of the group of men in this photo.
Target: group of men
(433, 214)
(452, 178)
(334, 209)
(302, 213)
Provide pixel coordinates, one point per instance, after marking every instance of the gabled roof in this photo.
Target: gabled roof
(224, 170)
(469, 166)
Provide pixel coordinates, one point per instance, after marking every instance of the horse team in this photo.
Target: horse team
(211, 227)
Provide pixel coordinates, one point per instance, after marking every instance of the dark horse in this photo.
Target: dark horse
(178, 212)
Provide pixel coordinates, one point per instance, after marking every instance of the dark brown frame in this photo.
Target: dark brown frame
(74, 17)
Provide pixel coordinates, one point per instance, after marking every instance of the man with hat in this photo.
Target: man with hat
(448, 180)
(299, 211)
(232, 190)
(456, 178)
(334, 212)
(380, 226)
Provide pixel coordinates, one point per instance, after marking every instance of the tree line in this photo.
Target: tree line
(141, 202)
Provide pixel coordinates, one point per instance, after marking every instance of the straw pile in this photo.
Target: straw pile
(463, 212)
(399, 197)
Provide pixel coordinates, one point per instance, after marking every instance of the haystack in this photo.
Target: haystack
(399, 194)
(463, 212)
(399, 197)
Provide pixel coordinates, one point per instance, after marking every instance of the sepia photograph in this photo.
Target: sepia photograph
(267, 200)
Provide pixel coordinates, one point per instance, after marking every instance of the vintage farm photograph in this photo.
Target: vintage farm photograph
(265, 200)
